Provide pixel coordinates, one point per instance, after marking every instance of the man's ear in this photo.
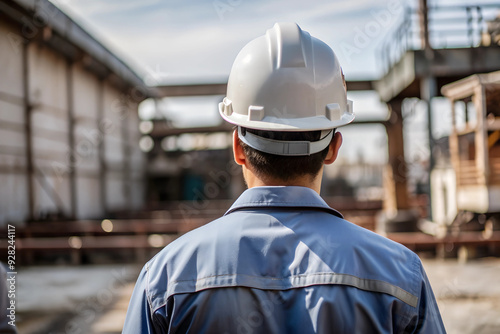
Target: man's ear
(239, 155)
(333, 149)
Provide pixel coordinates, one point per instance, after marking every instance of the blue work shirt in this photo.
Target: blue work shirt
(282, 261)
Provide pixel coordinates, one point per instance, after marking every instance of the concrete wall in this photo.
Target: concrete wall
(84, 137)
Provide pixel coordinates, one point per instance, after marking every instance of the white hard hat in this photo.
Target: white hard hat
(286, 80)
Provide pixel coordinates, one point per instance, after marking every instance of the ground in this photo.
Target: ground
(94, 299)
(468, 294)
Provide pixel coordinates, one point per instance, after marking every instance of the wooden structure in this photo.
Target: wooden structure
(475, 141)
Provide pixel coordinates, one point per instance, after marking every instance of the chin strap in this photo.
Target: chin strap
(286, 148)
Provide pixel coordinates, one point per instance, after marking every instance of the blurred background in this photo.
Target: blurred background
(111, 144)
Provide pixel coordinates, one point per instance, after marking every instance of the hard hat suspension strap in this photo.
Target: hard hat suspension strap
(285, 148)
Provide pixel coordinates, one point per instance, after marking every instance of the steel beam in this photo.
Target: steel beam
(72, 158)
(28, 136)
(428, 88)
(397, 183)
(101, 126)
(221, 88)
(127, 175)
(192, 89)
(162, 130)
(359, 85)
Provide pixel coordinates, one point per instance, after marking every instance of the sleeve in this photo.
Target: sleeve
(138, 319)
(428, 318)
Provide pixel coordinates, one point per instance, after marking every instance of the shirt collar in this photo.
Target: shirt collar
(281, 197)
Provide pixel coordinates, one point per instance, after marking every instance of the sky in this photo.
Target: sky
(196, 41)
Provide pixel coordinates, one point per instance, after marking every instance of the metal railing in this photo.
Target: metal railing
(448, 27)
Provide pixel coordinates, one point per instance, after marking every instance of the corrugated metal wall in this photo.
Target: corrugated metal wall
(13, 181)
(68, 139)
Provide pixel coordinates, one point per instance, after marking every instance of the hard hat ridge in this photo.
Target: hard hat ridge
(288, 40)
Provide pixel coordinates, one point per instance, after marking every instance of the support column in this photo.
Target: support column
(397, 178)
(73, 158)
(424, 24)
(424, 29)
(125, 134)
(397, 215)
(28, 137)
(101, 128)
(481, 136)
(428, 90)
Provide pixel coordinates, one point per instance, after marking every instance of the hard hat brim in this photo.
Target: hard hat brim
(269, 123)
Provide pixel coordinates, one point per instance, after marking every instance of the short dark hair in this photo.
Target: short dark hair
(284, 168)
